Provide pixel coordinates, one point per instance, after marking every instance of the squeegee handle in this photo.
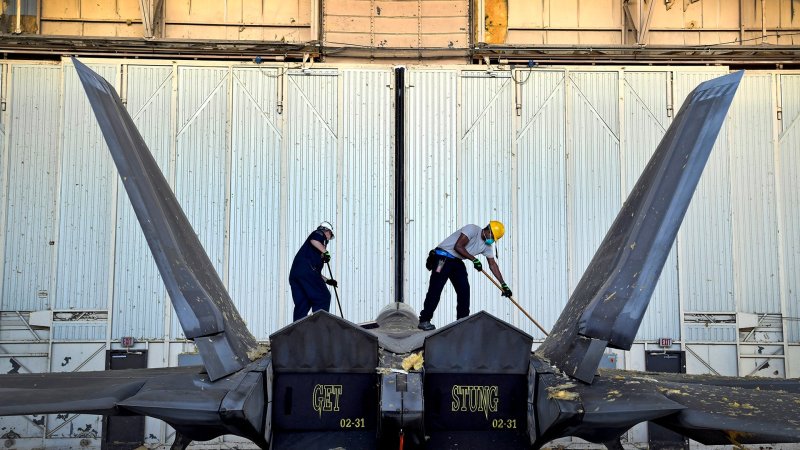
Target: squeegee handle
(515, 303)
(335, 291)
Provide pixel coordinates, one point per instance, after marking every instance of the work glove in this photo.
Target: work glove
(331, 282)
(326, 257)
(477, 263)
(506, 290)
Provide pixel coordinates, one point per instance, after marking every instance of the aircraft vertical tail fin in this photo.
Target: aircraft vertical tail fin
(611, 298)
(202, 303)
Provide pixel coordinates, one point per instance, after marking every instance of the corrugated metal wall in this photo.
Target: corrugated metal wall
(202, 158)
(86, 195)
(431, 167)
(32, 177)
(139, 294)
(605, 143)
(260, 155)
(312, 147)
(645, 118)
(78, 331)
(788, 161)
(704, 241)
(255, 212)
(709, 333)
(365, 240)
(752, 168)
(593, 171)
(541, 279)
(3, 166)
(485, 182)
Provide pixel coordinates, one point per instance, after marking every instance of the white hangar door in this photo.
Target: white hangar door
(458, 170)
(338, 165)
(258, 156)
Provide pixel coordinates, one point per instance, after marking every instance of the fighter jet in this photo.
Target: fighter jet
(324, 382)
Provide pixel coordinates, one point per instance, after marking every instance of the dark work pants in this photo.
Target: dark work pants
(455, 271)
(309, 292)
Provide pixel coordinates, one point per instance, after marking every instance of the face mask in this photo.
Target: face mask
(489, 241)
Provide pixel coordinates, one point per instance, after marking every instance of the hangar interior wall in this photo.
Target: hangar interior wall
(239, 20)
(258, 155)
(422, 24)
(257, 158)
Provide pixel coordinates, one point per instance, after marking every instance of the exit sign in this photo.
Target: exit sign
(127, 341)
(665, 342)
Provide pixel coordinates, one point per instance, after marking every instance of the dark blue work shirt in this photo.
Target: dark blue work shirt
(309, 257)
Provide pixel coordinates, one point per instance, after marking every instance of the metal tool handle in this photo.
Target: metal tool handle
(335, 291)
(515, 303)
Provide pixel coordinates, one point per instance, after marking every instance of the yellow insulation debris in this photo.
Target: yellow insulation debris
(562, 395)
(735, 437)
(671, 391)
(413, 361)
(260, 351)
(560, 392)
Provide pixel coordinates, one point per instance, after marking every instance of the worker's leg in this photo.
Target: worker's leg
(458, 276)
(435, 286)
(301, 303)
(319, 294)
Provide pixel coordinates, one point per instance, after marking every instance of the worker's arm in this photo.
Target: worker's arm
(319, 246)
(329, 281)
(461, 247)
(325, 255)
(496, 270)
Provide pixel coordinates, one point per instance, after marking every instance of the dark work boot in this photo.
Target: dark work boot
(426, 325)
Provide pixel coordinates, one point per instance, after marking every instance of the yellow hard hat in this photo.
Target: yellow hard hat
(498, 230)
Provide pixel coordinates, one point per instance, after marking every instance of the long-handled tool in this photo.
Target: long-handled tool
(330, 272)
(515, 303)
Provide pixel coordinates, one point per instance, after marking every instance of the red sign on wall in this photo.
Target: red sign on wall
(665, 342)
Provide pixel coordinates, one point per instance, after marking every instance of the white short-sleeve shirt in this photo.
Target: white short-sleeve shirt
(475, 246)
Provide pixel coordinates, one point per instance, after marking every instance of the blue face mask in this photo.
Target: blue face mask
(489, 241)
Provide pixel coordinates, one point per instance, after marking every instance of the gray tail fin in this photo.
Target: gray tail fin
(202, 303)
(611, 298)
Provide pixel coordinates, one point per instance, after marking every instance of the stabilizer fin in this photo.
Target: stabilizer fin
(610, 300)
(202, 303)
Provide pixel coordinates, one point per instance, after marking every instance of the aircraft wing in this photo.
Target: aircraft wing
(76, 392)
(183, 397)
(712, 410)
(608, 304)
(203, 306)
(721, 415)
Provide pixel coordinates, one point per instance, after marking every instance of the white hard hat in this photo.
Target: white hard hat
(325, 225)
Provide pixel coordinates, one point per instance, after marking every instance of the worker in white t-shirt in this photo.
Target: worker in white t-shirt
(446, 262)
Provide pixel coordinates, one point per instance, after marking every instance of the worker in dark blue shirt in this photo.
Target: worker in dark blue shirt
(305, 278)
